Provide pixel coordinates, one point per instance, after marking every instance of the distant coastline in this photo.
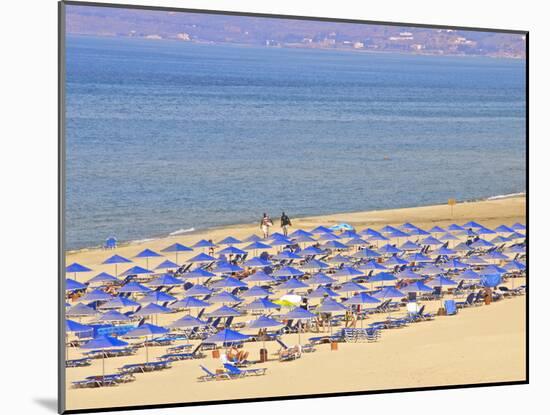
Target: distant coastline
(194, 231)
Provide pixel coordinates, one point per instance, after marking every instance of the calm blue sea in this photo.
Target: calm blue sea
(165, 136)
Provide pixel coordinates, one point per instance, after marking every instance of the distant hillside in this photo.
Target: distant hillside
(272, 32)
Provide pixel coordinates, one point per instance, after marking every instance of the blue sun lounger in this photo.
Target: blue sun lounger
(450, 307)
(213, 376)
(235, 371)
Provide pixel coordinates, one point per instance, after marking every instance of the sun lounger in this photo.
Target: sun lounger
(180, 348)
(85, 361)
(468, 302)
(98, 354)
(235, 371)
(173, 357)
(450, 307)
(214, 376)
(145, 367)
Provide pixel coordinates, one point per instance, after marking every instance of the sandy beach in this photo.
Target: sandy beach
(478, 345)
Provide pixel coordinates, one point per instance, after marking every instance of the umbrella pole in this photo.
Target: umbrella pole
(103, 365)
(146, 351)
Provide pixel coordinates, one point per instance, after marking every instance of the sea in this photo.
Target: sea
(167, 137)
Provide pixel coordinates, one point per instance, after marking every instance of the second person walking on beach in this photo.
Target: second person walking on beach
(285, 223)
(265, 224)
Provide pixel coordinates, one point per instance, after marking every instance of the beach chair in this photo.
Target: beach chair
(468, 302)
(213, 376)
(110, 243)
(235, 371)
(450, 307)
(85, 361)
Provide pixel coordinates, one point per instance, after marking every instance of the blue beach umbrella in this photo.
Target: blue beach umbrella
(515, 266)
(227, 336)
(495, 255)
(288, 271)
(311, 250)
(115, 260)
(264, 322)
(346, 272)
(229, 241)
(448, 237)
(257, 262)
(76, 268)
(256, 291)
(410, 246)
(133, 287)
(416, 286)
(334, 245)
(331, 306)
(321, 292)
(462, 247)
(315, 264)
(388, 292)
(148, 253)
(382, 276)
(253, 238)
(320, 279)
(177, 248)
(302, 239)
(188, 322)
(430, 270)
(321, 229)
(366, 253)
(418, 258)
(492, 269)
(104, 343)
(339, 259)
(231, 250)
(136, 270)
(146, 330)
(225, 298)
(440, 281)
(74, 327)
(351, 286)
(362, 299)
(202, 257)
(481, 243)
(152, 309)
(224, 311)
(72, 285)
(165, 280)
(444, 251)
(188, 303)
(228, 282)
(102, 278)
(259, 276)
(394, 260)
(300, 232)
(328, 237)
(256, 245)
(437, 229)
(356, 242)
(203, 243)
(418, 232)
(167, 264)
(157, 297)
(370, 232)
(389, 250)
(475, 260)
(112, 316)
(472, 224)
(372, 265)
(455, 228)
(198, 273)
(198, 290)
(518, 227)
(468, 274)
(80, 310)
(118, 302)
(408, 274)
(485, 231)
(430, 240)
(281, 241)
(397, 234)
(408, 226)
(96, 295)
(287, 255)
(455, 264)
(261, 304)
(292, 284)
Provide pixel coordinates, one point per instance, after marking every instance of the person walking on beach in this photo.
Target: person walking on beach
(265, 224)
(285, 223)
